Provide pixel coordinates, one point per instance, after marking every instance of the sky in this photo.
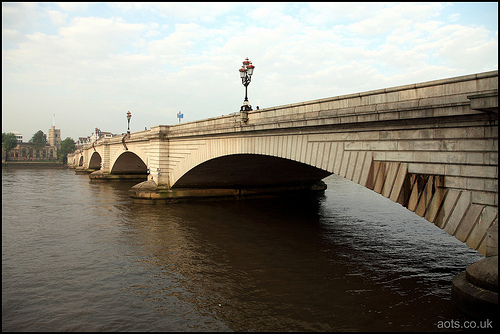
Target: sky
(83, 65)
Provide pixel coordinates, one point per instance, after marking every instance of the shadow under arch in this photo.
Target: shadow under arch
(129, 163)
(95, 161)
(250, 170)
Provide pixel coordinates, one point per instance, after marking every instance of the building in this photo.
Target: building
(95, 136)
(26, 151)
(82, 141)
(98, 134)
(19, 136)
(54, 138)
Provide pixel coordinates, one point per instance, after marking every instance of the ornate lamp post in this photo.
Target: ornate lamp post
(129, 116)
(246, 72)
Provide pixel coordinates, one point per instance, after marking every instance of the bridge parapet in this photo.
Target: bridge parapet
(433, 100)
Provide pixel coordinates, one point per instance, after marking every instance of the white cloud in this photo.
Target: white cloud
(57, 17)
(73, 6)
(207, 12)
(398, 17)
(93, 36)
(268, 14)
(23, 16)
(465, 47)
(454, 17)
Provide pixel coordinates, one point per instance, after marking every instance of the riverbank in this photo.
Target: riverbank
(33, 164)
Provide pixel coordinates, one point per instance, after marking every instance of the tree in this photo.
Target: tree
(67, 146)
(39, 141)
(9, 141)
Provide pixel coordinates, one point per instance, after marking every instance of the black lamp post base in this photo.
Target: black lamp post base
(246, 106)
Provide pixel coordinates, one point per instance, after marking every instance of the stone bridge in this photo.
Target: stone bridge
(432, 147)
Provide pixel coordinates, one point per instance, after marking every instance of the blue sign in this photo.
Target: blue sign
(179, 115)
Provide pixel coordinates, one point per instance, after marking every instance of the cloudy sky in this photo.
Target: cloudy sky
(90, 63)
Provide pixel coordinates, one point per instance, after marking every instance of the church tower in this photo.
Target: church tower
(54, 135)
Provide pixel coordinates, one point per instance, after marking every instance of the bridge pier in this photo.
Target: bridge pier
(83, 170)
(100, 176)
(475, 291)
(148, 192)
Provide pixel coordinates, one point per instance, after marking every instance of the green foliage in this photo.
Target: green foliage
(68, 145)
(9, 141)
(39, 140)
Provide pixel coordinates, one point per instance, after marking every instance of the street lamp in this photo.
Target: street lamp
(246, 72)
(129, 116)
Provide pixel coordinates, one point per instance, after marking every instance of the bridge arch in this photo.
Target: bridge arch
(80, 161)
(95, 161)
(249, 170)
(129, 163)
(291, 150)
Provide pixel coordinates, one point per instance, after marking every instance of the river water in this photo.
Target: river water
(80, 256)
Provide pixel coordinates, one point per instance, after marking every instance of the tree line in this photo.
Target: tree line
(38, 141)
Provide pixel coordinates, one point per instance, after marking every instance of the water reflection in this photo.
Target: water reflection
(240, 264)
(278, 264)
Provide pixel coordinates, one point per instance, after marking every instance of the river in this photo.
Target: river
(81, 256)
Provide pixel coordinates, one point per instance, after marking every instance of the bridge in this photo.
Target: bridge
(431, 147)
